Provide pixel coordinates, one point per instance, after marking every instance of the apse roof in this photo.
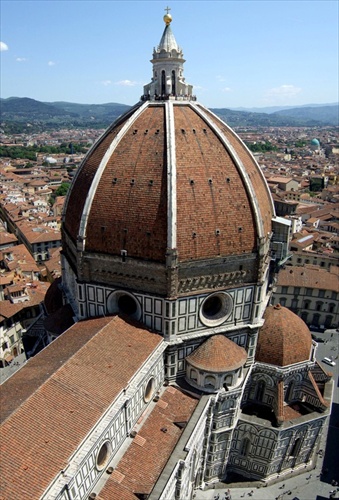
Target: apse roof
(218, 354)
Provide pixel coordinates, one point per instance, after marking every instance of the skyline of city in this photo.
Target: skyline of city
(65, 51)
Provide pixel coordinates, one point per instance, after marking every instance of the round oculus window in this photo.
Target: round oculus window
(125, 303)
(103, 455)
(149, 390)
(215, 309)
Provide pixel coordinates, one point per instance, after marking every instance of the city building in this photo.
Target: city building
(316, 258)
(173, 372)
(311, 292)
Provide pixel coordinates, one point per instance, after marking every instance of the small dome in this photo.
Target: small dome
(315, 142)
(218, 355)
(284, 339)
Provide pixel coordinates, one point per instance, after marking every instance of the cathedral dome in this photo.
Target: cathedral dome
(284, 338)
(169, 175)
(170, 183)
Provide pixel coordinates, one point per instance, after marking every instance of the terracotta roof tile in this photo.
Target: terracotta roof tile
(142, 465)
(308, 276)
(84, 177)
(253, 170)
(66, 388)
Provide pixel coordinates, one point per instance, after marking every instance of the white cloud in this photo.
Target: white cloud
(284, 91)
(221, 79)
(21, 59)
(3, 46)
(127, 83)
(51, 63)
(106, 82)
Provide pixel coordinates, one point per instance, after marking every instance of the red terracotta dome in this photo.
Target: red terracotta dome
(284, 338)
(218, 354)
(169, 175)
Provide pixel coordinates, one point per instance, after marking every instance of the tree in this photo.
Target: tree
(61, 191)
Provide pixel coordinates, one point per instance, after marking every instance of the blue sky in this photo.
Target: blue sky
(238, 53)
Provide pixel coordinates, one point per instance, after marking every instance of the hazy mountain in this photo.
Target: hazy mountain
(325, 114)
(293, 117)
(17, 115)
(91, 111)
(25, 107)
(273, 109)
(17, 112)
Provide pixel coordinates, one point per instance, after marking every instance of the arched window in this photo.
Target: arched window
(296, 448)
(163, 82)
(260, 391)
(283, 301)
(307, 304)
(328, 321)
(193, 375)
(304, 316)
(294, 304)
(316, 318)
(173, 83)
(245, 447)
(289, 391)
(331, 308)
(210, 382)
(319, 306)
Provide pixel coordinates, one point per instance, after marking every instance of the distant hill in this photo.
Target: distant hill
(23, 107)
(92, 111)
(324, 114)
(312, 116)
(17, 113)
(273, 109)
